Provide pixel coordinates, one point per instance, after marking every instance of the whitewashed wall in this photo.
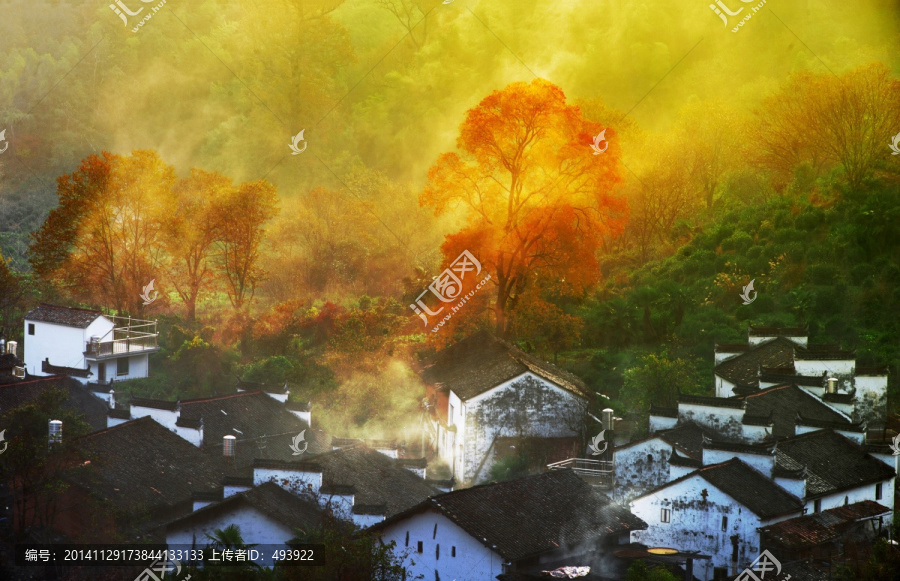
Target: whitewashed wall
(473, 561)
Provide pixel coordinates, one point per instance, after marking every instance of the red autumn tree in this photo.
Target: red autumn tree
(537, 200)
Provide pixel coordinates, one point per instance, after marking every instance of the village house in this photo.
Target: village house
(16, 393)
(266, 515)
(825, 535)
(478, 533)
(83, 344)
(482, 390)
(776, 356)
(137, 476)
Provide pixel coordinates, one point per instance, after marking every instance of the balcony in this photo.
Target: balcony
(599, 473)
(128, 336)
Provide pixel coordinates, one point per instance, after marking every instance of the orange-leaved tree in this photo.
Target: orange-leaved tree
(538, 200)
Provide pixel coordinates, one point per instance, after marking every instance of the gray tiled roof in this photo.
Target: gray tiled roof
(81, 400)
(784, 402)
(531, 515)
(68, 316)
(744, 368)
(833, 462)
(481, 362)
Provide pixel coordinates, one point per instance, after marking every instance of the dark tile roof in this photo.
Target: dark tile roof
(761, 331)
(843, 425)
(47, 367)
(252, 413)
(376, 478)
(158, 404)
(876, 370)
(784, 402)
(531, 515)
(656, 410)
(745, 485)
(120, 413)
(268, 498)
(815, 529)
(833, 462)
(68, 316)
(676, 459)
(751, 488)
(731, 347)
(481, 362)
(844, 398)
(708, 400)
(81, 400)
(144, 470)
(823, 353)
(274, 448)
(766, 449)
(807, 380)
(743, 369)
(688, 437)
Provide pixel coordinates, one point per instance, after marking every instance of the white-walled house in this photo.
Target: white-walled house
(87, 344)
(266, 515)
(482, 389)
(716, 511)
(776, 356)
(477, 533)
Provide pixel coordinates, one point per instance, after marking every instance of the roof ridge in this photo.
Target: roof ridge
(220, 397)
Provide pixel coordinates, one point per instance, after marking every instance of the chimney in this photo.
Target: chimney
(608, 418)
(2, 345)
(12, 348)
(832, 385)
(228, 446)
(55, 432)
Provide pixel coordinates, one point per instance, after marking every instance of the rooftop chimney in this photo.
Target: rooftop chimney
(832, 385)
(228, 446)
(55, 432)
(608, 418)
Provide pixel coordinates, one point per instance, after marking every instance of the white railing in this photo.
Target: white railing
(599, 472)
(129, 336)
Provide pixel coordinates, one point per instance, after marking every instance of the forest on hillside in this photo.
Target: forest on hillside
(621, 177)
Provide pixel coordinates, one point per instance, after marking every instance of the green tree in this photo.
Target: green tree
(639, 571)
(659, 379)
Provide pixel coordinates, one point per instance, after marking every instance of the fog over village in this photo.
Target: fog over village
(352, 290)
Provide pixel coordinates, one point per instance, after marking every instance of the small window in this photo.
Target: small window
(817, 505)
(846, 500)
(419, 547)
(665, 515)
(649, 458)
(122, 366)
(878, 491)
(407, 538)
(724, 523)
(453, 551)
(31, 328)
(437, 552)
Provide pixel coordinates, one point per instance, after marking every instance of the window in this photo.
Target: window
(419, 547)
(31, 328)
(846, 500)
(649, 458)
(878, 491)
(437, 552)
(407, 538)
(817, 505)
(665, 515)
(453, 551)
(122, 366)
(724, 523)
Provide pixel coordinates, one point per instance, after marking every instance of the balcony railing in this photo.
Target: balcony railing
(596, 472)
(128, 336)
